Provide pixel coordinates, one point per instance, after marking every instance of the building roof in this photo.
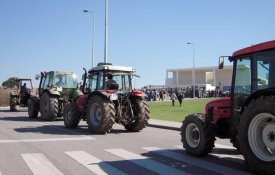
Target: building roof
(210, 68)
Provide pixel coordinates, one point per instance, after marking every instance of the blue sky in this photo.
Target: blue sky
(150, 35)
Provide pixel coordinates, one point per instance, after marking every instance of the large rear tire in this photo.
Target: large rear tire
(197, 135)
(33, 107)
(257, 135)
(141, 112)
(100, 115)
(48, 107)
(13, 101)
(71, 115)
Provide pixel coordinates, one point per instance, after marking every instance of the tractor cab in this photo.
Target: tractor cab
(253, 76)
(60, 83)
(108, 77)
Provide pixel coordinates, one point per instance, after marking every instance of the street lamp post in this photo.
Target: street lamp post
(106, 32)
(193, 70)
(93, 41)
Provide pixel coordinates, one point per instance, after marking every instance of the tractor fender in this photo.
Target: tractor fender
(75, 94)
(137, 93)
(52, 92)
(82, 101)
(256, 94)
(102, 94)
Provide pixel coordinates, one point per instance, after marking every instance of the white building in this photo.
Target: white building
(205, 77)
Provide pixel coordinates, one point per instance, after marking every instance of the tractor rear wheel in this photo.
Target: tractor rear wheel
(71, 115)
(13, 103)
(197, 135)
(100, 115)
(48, 107)
(257, 135)
(141, 113)
(33, 106)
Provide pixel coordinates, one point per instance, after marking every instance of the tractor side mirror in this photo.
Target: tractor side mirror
(221, 62)
(37, 76)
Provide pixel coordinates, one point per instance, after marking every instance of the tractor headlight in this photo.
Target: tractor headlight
(59, 89)
(113, 97)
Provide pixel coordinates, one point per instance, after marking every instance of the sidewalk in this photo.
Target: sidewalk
(164, 124)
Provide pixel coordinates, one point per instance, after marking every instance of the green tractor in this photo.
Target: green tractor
(56, 88)
(20, 95)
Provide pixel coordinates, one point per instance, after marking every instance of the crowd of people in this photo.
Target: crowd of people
(159, 94)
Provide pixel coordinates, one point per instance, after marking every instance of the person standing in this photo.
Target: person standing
(180, 97)
(173, 98)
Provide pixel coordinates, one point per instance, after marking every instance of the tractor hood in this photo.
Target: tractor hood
(220, 107)
(219, 102)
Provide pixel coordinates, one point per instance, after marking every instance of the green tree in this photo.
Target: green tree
(11, 82)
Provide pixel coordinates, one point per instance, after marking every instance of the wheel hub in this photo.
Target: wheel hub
(195, 134)
(192, 135)
(268, 135)
(261, 136)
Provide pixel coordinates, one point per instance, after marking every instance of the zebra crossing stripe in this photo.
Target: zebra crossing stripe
(47, 140)
(216, 146)
(223, 146)
(146, 162)
(94, 164)
(196, 161)
(40, 165)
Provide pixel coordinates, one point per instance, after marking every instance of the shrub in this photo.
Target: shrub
(4, 96)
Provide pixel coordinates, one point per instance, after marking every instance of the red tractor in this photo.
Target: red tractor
(247, 117)
(108, 97)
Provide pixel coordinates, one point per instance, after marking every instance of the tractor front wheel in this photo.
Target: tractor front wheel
(141, 113)
(13, 101)
(33, 106)
(257, 135)
(100, 115)
(48, 107)
(71, 115)
(197, 135)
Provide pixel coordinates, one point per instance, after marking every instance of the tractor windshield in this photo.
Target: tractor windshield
(123, 81)
(65, 80)
(254, 72)
(265, 69)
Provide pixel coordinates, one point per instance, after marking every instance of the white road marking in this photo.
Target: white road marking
(216, 146)
(195, 161)
(47, 140)
(40, 165)
(146, 162)
(94, 164)
(224, 146)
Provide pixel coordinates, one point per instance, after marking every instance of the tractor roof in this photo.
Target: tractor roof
(23, 79)
(111, 68)
(255, 48)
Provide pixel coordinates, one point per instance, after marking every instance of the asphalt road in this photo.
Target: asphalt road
(33, 146)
